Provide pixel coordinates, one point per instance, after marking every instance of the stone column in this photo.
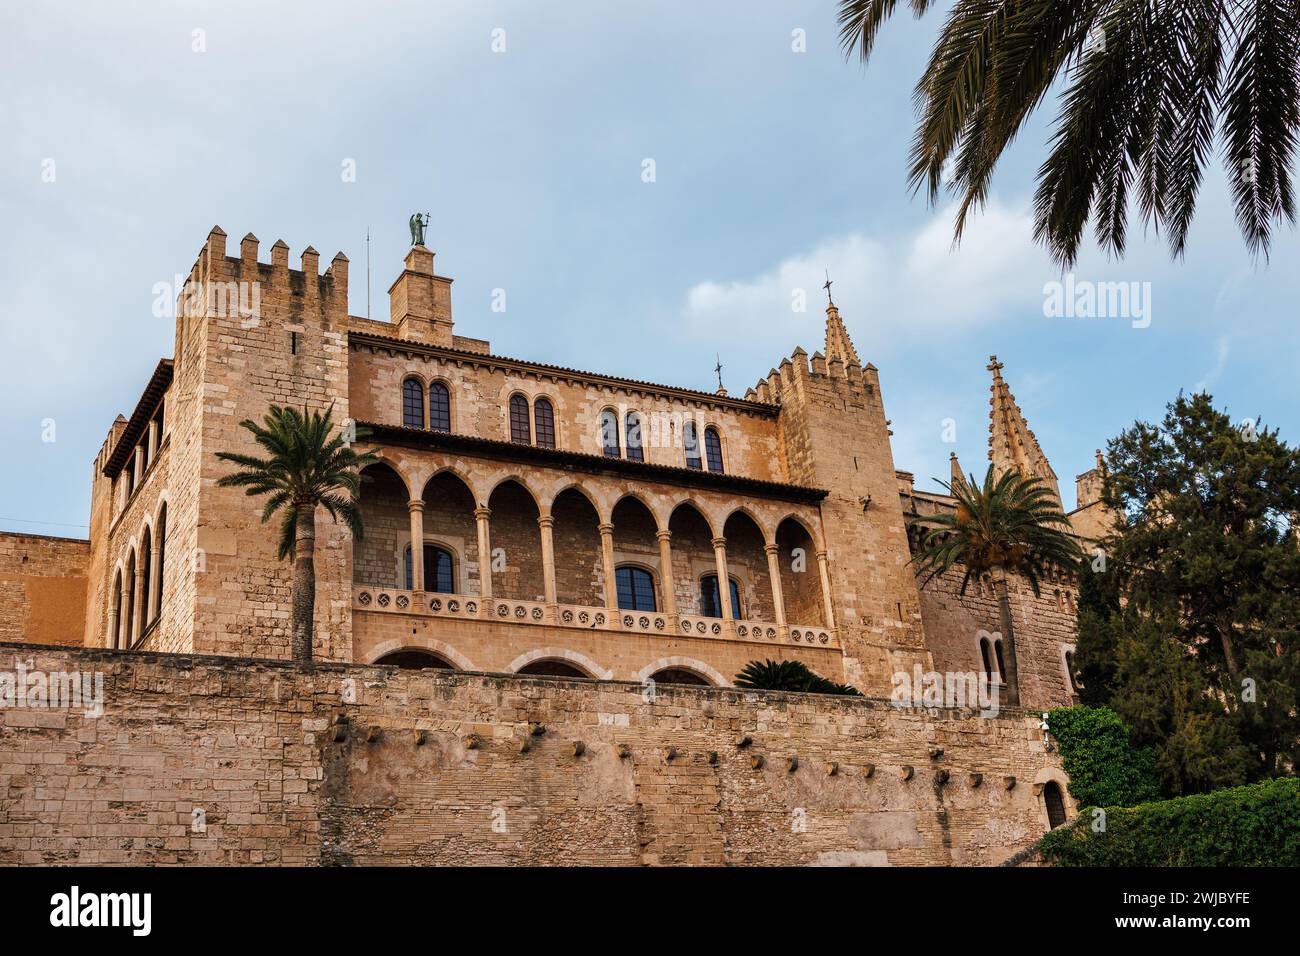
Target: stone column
(546, 522)
(774, 573)
(155, 579)
(154, 438)
(137, 466)
(666, 571)
(137, 607)
(481, 516)
(724, 579)
(607, 559)
(113, 603)
(824, 570)
(416, 507)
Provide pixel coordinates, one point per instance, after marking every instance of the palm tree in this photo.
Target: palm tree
(790, 676)
(307, 466)
(1146, 85)
(1008, 525)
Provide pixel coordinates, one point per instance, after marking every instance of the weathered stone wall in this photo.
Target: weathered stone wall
(1045, 627)
(430, 767)
(42, 588)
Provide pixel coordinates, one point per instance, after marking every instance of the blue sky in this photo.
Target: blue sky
(770, 165)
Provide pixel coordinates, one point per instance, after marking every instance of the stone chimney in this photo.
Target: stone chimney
(420, 302)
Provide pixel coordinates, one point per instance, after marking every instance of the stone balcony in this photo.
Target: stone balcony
(466, 607)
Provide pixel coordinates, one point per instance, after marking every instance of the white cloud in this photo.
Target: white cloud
(919, 283)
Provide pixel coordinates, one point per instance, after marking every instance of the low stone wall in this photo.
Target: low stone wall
(344, 764)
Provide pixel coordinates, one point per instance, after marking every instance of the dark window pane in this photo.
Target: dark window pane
(984, 653)
(1002, 669)
(438, 570)
(439, 407)
(691, 444)
(711, 601)
(1055, 804)
(713, 449)
(544, 419)
(520, 430)
(636, 589)
(412, 404)
(609, 433)
(633, 425)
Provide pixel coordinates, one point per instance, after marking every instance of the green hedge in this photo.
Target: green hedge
(1256, 825)
(1105, 769)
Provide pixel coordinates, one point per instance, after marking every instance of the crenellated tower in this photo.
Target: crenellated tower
(835, 436)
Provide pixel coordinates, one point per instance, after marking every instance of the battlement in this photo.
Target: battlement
(206, 291)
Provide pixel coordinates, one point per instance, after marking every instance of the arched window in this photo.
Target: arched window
(1069, 670)
(439, 407)
(439, 569)
(520, 430)
(711, 600)
(633, 426)
(713, 449)
(162, 558)
(609, 433)
(986, 653)
(1002, 667)
(544, 419)
(129, 585)
(146, 572)
(691, 444)
(115, 637)
(636, 588)
(1055, 804)
(412, 403)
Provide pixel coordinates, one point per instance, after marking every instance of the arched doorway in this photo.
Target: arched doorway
(415, 660)
(1055, 803)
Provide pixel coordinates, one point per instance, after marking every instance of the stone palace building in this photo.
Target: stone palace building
(527, 518)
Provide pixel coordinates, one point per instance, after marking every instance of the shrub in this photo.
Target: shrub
(1256, 825)
(1105, 769)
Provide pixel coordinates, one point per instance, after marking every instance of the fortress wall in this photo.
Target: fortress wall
(429, 767)
(42, 588)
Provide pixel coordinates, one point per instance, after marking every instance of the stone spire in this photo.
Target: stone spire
(955, 477)
(839, 347)
(1011, 444)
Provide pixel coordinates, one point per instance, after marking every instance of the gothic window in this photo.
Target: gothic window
(412, 403)
(520, 430)
(439, 407)
(438, 570)
(711, 600)
(115, 638)
(713, 449)
(1069, 670)
(1055, 803)
(609, 433)
(146, 568)
(691, 444)
(127, 631)
(987, 655)
(162, 557)
(636, 588)
(544, 419)
(1002, 667)
(633, 426)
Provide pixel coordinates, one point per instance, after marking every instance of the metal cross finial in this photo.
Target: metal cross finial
(718, 368)
(827, 287)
